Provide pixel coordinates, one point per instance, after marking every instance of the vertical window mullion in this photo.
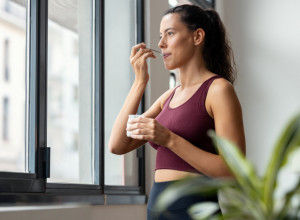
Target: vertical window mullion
(99, 92)
(38, 68)
(140, 39)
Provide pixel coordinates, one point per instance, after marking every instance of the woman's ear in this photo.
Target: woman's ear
(199, 35)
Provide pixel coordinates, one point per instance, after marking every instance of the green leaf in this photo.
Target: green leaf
(202, 211)
(235, 203)
(243, 170)
(291, 158)
(284, 212)
(289, 139)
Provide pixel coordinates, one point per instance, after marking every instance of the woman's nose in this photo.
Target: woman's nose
(161, 43)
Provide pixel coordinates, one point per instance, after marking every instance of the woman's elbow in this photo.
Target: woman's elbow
(114, 148)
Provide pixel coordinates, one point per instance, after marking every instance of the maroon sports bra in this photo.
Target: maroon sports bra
(190, 121)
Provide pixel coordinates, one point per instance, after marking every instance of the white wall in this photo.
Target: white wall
(265, 37)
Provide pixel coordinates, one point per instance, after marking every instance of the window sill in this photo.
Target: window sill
(126, 199)
(36, 207)
(28, 199)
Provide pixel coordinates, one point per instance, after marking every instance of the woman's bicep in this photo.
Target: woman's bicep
(227, 113)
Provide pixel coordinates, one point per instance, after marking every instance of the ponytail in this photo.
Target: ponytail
(217, 53)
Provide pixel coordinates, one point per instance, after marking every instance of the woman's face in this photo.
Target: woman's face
(176, 41)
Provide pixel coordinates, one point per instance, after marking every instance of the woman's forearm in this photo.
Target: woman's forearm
(119, 142)
(207, 163)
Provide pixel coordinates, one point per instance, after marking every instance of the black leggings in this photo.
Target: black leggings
(177, 210)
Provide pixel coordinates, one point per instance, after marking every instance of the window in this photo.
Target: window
(12, 87)
(120, 170)
(204, 3)
(6, 60)
(70, 28)
(69, 82)
(5, 118)
(172, 80)
(7, 5)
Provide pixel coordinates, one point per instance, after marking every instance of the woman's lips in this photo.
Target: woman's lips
(165, 55)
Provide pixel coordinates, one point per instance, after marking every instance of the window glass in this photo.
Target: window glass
(120, 36)
(13, 96)
(172, 80)
(70, 107)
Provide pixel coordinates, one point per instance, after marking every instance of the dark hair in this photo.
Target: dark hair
(217, 52)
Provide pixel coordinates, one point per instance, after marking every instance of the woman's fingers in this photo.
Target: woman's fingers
(140, 50)
(148, 129)
(140, 125)
(147, 54)
(142, 54)
(141, 120)
(141, 132)
(138, 57)
(141, 137)
(136, 48)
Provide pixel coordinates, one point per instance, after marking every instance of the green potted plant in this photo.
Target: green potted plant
(248, 195)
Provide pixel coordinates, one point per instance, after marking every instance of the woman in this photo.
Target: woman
(193, 40)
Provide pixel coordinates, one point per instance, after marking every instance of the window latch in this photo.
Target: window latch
(46, 161)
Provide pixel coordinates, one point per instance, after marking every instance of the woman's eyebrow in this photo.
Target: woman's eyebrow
(168, 30)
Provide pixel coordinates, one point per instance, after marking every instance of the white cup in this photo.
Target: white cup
(130, 117)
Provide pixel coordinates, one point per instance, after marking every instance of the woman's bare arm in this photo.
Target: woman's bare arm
(119, 143)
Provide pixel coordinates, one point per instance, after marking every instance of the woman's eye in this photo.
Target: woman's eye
(170, 33)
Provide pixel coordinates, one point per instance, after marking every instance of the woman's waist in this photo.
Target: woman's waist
(164, 175)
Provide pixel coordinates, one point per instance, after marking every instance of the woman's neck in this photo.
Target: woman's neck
(193, 73)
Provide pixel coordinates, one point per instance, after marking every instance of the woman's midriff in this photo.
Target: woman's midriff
(164, 175)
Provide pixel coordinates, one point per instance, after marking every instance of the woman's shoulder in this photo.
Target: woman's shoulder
(220, 86)
(220, 91)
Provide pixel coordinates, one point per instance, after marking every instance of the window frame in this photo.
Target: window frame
(33, 187)
(204, 3)
(15, 182)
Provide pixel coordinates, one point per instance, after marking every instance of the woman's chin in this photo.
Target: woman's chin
(170, 67)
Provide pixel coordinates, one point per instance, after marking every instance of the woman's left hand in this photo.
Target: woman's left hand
(150, 130)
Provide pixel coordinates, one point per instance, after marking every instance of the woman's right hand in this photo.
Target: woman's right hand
(138, 57)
